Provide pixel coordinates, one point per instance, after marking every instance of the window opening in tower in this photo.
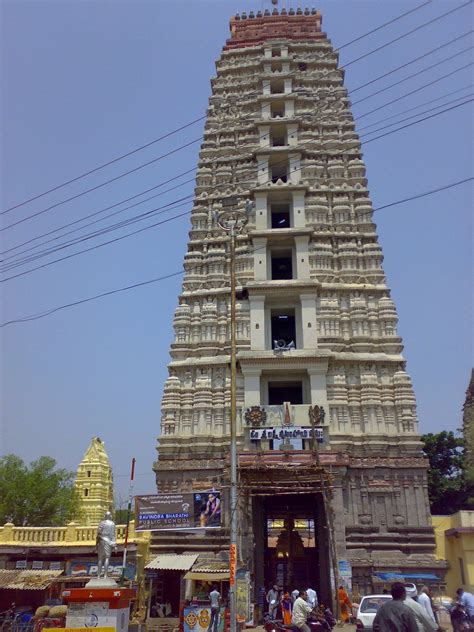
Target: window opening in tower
(283, 326)
(282, 265)
(280, 216)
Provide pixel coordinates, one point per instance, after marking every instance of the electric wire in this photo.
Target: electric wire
(316, 110)
(107, 208)
(180, 272)
(158, 211)
(415, 74)
(29, 258)
(416, 107)
(412, 61)
(139, 167)
(414, 30)
(102, 184)
(47, 264)
(426, 85)
(407, 118)
(377, 28)
(194, 121)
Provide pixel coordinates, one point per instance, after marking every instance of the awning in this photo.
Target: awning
(168, 562)
(27, 579)
(214, 576)
(209, 570)
(402, 576)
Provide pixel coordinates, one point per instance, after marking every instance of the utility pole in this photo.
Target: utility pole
(232, 220)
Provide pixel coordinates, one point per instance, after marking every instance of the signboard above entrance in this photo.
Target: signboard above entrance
(164, 512)
(292, 432)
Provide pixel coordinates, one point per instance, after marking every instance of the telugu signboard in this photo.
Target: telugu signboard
(164, 512)
(290, 432)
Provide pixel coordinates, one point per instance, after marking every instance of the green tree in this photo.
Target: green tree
(37, 495)
(121, 516)
(447, 487)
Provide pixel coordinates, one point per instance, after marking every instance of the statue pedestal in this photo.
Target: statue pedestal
(101, 604)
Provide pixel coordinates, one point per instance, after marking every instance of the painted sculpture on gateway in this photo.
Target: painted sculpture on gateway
(105, 543)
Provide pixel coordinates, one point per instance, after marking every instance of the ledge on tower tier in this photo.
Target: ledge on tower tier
(253, 29)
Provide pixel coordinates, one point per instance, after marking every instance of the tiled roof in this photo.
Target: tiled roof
(26, 579)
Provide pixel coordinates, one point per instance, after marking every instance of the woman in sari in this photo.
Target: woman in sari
(345, 605)
(286, 608)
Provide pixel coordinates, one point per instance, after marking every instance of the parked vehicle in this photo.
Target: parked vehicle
(367, 610)
(276, 625)
(460, 619)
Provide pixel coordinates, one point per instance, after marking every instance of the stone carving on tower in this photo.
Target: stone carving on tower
(280, 133)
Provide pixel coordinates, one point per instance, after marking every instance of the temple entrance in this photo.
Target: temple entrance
(293, 534)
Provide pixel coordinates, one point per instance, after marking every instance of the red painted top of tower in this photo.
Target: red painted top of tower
(254, 29)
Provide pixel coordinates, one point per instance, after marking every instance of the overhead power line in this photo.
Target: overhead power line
(148, 214)
(107, 208)
(412, 61)
(16, 263)
(197, 140)
(20, 274)
(400, 37)
(189, 180)
(426, 85)
(407, 118)
(392, 21)
(180, 272)
(415, 74)
(143, 216)
(420, 105)
(192, 122)
(103, 184)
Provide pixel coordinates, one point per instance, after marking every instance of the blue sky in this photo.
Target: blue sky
(83, 82)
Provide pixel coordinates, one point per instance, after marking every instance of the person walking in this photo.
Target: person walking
(295, 594)
(345, 605)
(272, 601)
(466, 599)
(425, 601)
(215, 599)
(286, 607)
(424, 622)
(301, 612)
(394, 615)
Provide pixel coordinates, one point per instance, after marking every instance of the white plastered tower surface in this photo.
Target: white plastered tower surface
(316, 325)
(94, 483)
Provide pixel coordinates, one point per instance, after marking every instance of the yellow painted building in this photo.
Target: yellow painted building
(94, 483)
(455, 544)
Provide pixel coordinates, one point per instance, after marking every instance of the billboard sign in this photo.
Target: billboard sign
(168, 512)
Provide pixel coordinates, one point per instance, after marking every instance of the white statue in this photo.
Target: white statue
(105, 543)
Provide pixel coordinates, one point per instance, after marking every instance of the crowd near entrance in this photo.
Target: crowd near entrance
(293, 530)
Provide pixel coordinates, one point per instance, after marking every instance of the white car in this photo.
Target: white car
(367, 610)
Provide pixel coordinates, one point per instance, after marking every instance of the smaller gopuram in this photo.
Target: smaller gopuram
(94, 483)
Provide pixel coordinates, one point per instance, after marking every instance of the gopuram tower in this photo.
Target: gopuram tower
(317, 345)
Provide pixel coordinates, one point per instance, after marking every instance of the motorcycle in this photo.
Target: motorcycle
(460, 619)
(315, 622)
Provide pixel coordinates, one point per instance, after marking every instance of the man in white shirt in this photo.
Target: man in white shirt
(301, 612)
(215, 599)
(424, 622)
(312, 597)
(425, 601)
(272, 601)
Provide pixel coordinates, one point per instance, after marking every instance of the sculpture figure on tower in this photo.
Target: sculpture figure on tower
(105, 543)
